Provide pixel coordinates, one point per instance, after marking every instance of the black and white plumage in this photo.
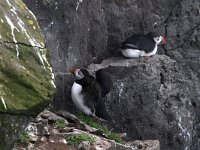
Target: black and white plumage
(88, 93)
(141, 45)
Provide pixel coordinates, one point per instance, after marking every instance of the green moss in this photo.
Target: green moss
(95, 124)
(28, 33)
(24, 138)
(21, 4)
(59, 123)
(26, 81)
(78, 138)
(30, 21)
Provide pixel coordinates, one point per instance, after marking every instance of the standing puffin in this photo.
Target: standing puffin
(88, 93)
(142, 45)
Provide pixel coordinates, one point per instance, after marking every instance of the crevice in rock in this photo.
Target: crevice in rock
(194, 104)
(20, 43)
(171, 12)
(162, 78)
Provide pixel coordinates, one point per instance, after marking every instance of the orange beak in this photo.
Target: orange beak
(164, 41)
(73, 70)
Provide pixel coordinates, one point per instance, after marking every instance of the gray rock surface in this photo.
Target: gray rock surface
(150, 100)
(83, 32)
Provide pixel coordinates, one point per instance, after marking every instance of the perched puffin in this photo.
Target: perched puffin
(88, 93)
(142, 45)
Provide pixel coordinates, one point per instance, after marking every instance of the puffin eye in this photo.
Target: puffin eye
(80, 73)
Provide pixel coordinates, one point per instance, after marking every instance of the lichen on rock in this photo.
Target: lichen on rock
(26, 77)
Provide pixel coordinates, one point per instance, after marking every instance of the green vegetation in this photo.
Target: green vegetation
(95, 124)
(24, 138)
(60, 123)
(78, 138)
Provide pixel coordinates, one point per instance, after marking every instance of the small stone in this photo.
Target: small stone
(85, 145)
(33, 137)
(46, 131)
(54, 131)
(43, 139)
(30, 146)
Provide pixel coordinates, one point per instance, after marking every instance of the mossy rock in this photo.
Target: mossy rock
(26, 78)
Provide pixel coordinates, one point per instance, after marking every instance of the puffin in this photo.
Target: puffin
(88, 93)
(139, 45)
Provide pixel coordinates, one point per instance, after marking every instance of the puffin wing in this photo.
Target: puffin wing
(146, 43)
(131, 42)
(101, 111)
(105, 81)
(91, 91)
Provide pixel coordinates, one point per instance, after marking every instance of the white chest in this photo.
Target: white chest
(78, 99)
(131, 53)
(134, 53)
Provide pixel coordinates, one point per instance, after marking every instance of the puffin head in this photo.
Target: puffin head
(79, 73)
(157, 38)
(160, 39)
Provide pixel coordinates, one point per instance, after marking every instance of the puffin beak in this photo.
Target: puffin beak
(164, 41)
(73, 70)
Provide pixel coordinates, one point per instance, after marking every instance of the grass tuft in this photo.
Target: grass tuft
(89, 120)
(24, 138)
(78, 138)
(59, 123)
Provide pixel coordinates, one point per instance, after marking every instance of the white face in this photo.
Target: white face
(78, 74)
(158, 39)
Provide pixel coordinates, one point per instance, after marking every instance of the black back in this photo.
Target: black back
(140, 42)
(92, 93)
(105, 81)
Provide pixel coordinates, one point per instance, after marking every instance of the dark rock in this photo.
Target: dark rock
(11, 126)
(150, 100)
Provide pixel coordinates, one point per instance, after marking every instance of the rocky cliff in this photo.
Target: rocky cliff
(26, 78)
(163, 100)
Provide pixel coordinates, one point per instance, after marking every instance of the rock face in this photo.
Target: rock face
(148, 100)
(26, 78)
(83, 32)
